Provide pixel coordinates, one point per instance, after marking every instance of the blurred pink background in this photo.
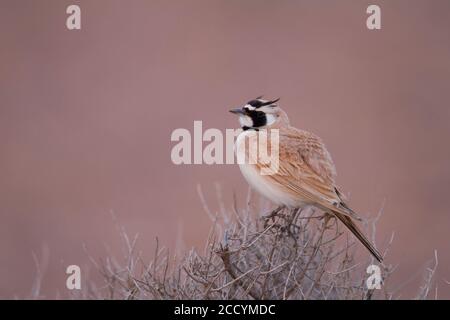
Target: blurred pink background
(86, 118)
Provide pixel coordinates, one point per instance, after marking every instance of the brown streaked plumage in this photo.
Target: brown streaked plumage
(306, 173)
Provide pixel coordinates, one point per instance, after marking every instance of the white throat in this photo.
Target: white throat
(245, 121)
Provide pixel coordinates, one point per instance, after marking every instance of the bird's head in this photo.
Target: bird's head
(260, 113)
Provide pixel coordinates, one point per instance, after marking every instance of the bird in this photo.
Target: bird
(306, 174)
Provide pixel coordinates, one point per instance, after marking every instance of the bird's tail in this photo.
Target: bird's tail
(358, 234)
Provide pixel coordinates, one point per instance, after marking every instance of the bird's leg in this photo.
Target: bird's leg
(272, 215)
(292, 226)
(289, 224)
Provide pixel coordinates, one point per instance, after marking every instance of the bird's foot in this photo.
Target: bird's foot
(272, 215)
(291, 227)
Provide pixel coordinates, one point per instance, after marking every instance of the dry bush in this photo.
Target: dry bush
(297, 254)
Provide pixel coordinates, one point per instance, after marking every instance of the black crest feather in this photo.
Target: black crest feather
(257, 103)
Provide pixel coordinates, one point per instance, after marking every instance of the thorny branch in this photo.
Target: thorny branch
(298, 254)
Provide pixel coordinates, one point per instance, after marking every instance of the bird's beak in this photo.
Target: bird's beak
(237, 111)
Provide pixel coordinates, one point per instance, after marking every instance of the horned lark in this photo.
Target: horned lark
(306, 173)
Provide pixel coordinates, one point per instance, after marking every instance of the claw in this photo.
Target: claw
(272, 215)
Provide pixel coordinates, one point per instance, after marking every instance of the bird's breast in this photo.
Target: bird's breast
(263, 184)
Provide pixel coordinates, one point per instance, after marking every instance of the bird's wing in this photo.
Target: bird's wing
(307, 171)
